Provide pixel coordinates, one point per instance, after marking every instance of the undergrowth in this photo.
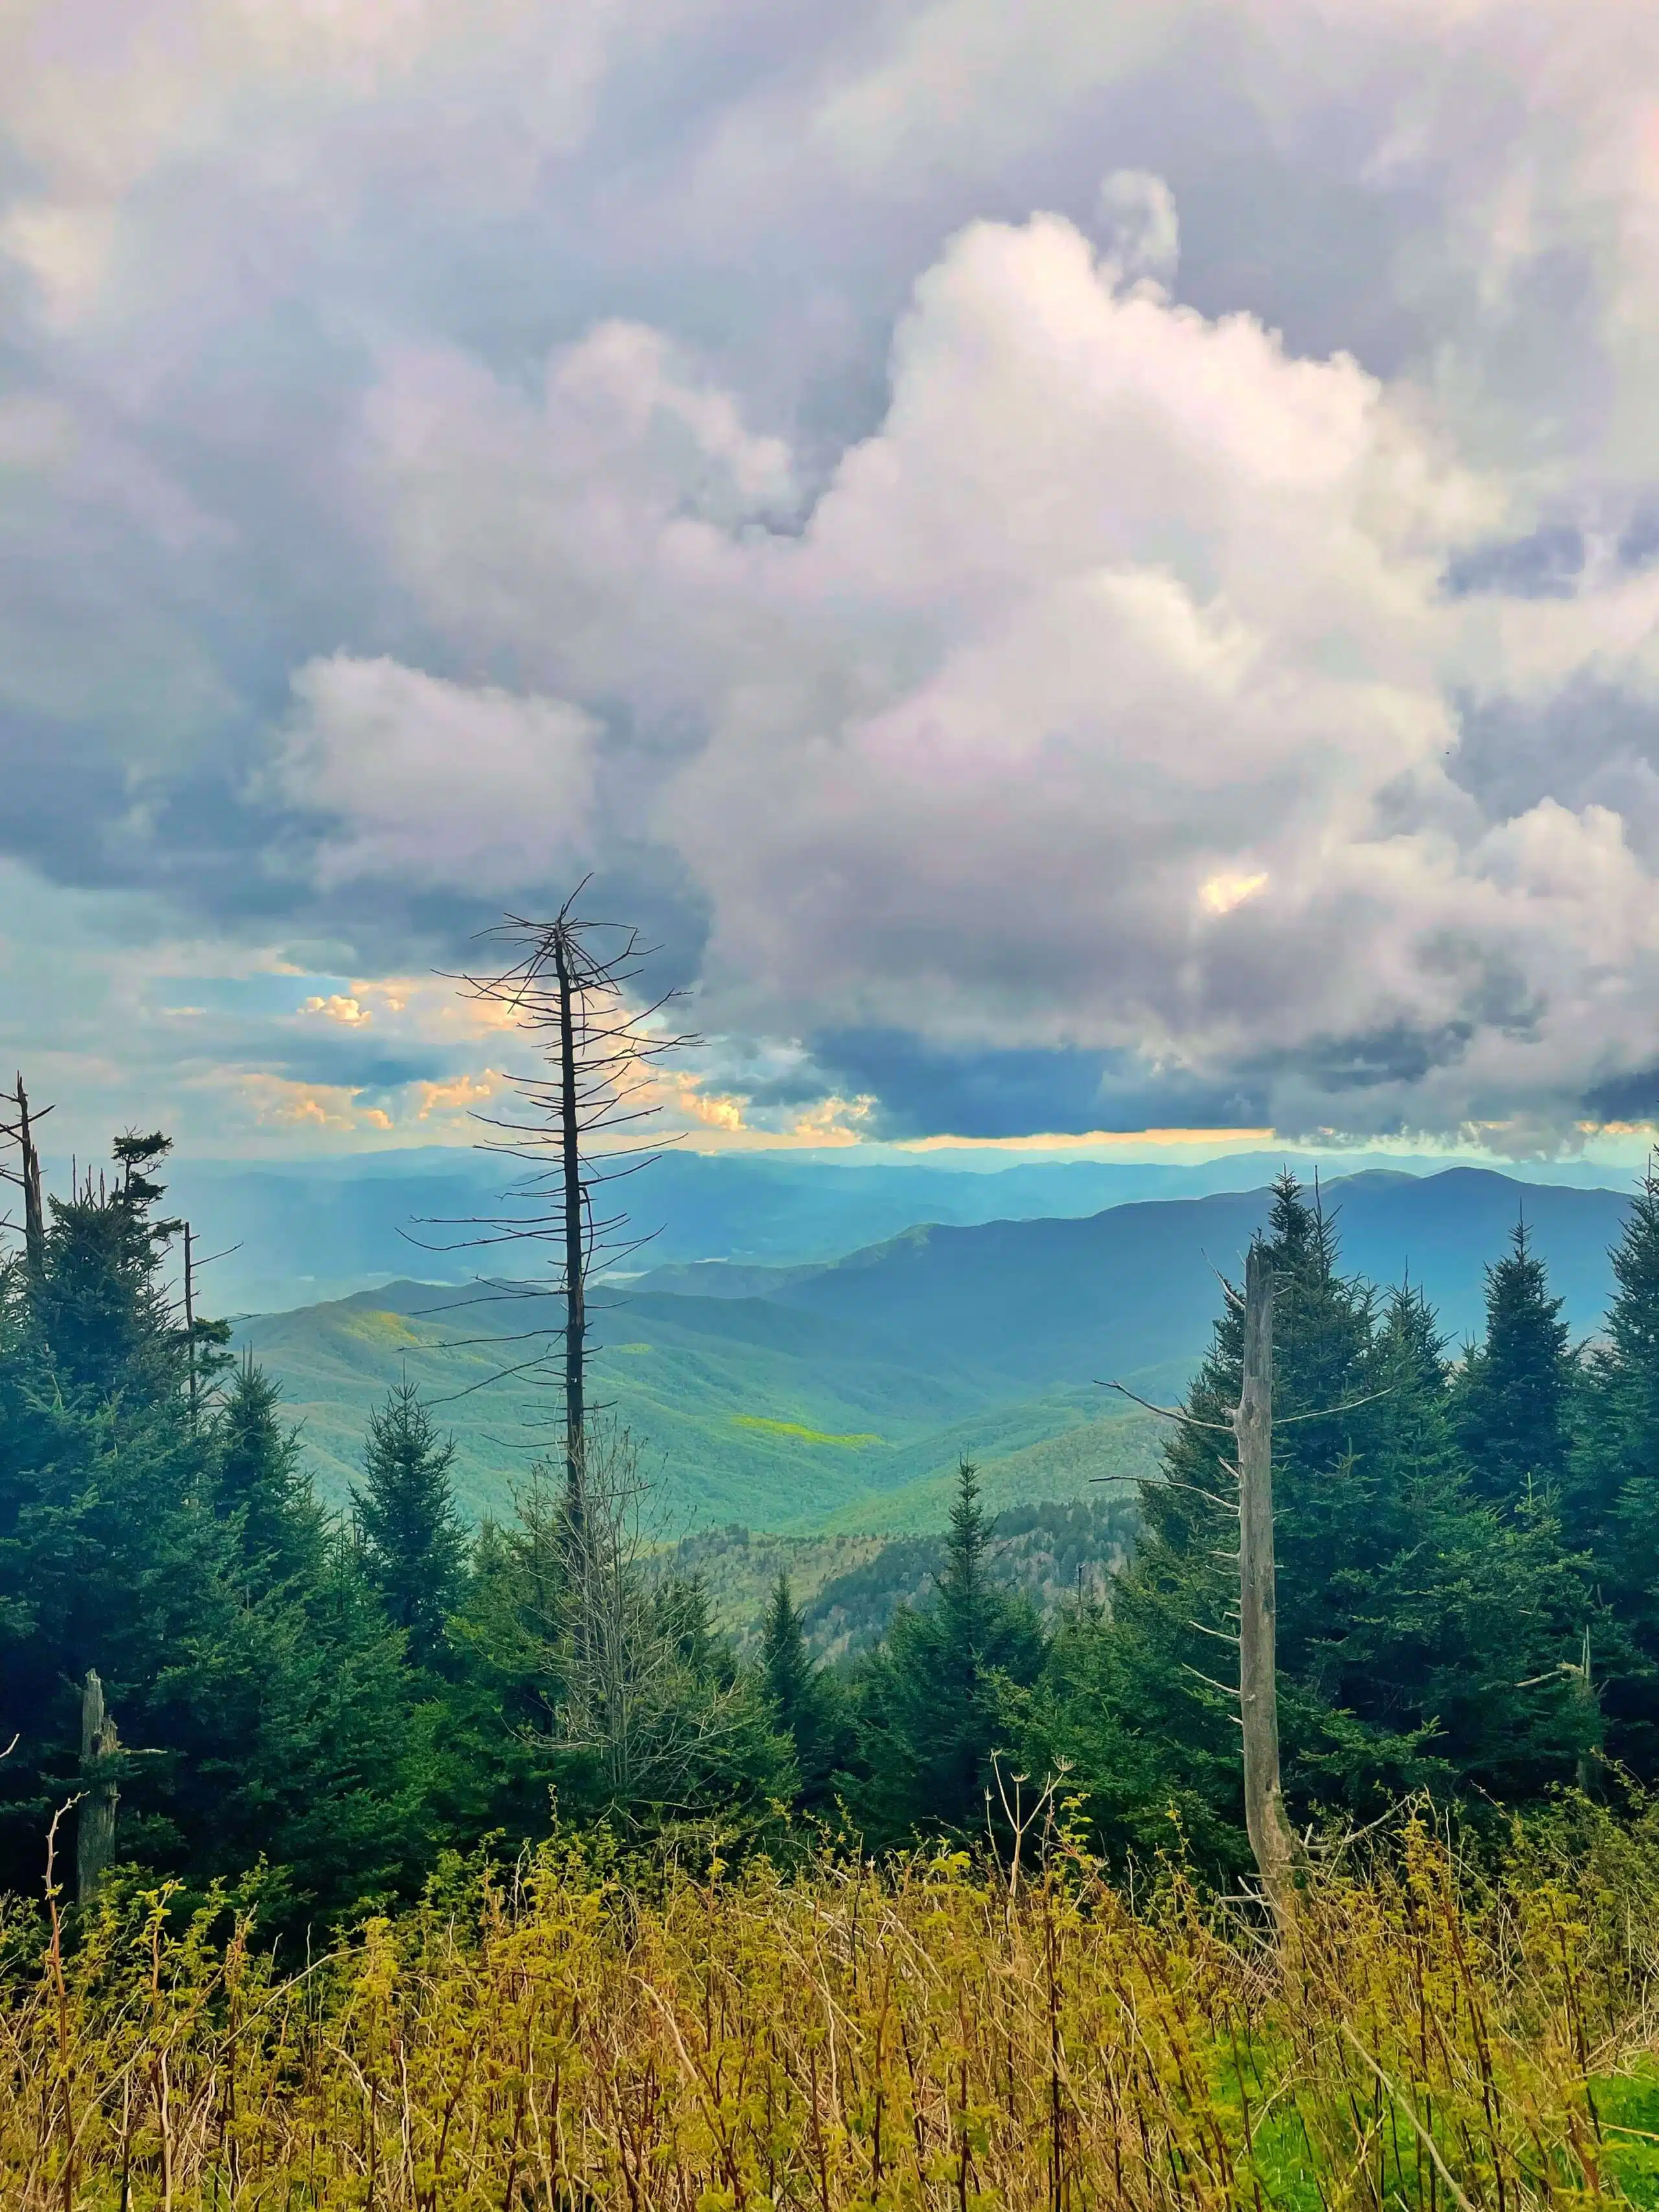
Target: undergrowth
(575, 2032)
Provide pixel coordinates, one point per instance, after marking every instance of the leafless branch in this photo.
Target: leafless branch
(1167, 1413)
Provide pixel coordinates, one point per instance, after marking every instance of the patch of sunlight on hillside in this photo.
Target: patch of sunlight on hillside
(801, 1435)
(379, 1328)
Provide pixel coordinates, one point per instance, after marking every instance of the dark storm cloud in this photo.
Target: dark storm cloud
(921, 1090)
(1633, 1097)
(1590, 744)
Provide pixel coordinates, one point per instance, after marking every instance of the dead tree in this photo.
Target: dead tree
(573, 987)
(190, 1322)
(100, 1769)
(1272, 1839)
(27, 1176)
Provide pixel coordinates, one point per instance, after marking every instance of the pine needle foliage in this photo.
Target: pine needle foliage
(406, 1517)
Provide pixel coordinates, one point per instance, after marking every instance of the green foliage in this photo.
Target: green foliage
(182, 1559)
(1513, 1393)
(737, 1396)
(941, 1695)
(413, 1543)
(1612, 1494)
(346, 1700)
(934, 2032)
(261, 1484)
(807, 1703)
(1423, 1635)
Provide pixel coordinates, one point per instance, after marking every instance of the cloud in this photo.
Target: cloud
(432, 781)
(752, 455)
(1141, 229)
(1102, 701)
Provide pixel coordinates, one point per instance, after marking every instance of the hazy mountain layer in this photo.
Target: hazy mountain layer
(325, 1229)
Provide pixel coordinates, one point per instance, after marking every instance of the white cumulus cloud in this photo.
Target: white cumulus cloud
(436, 781)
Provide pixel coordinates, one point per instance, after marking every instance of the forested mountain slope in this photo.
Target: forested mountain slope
(1134, 1288)
(748, 1410)
(841, 1395)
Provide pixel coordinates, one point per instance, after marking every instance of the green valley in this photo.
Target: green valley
(745, 1409)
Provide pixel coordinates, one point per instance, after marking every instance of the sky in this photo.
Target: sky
(1081, 568)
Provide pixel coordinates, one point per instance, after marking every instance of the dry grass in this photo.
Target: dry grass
(934, 2034)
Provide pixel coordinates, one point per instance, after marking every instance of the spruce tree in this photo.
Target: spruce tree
(413, 1541)
(261, 1484)
(1611, 1502)
(964, 1593)
(1513, 1395)
(942, 1694)
(119, 1550)
(803, 1697)
(784, 1657)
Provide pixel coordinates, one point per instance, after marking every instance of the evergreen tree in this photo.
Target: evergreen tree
(784, 1657)
(803, 1697)
(1612, 1503)
(260, 1483)
(1513, 1395)
(99, 1305)
(405, 1515)
(264, 1713)
(943, 1693)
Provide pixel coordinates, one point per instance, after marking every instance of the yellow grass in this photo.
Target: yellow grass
(934, 2034)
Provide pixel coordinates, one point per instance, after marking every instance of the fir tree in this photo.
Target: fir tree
(101, 1307)
(941, 1696)
(965, 1597)
(117, 1551)
(405, 1515)
(803, 1696)
(1612, 1503)
(784, 1657)
(262, 1485)
(1513, 1395)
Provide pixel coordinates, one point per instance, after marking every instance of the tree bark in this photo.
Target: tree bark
(1272, 1838)
(34, 1222)
(95, 1835)
(190, 1322)
(576, 1256)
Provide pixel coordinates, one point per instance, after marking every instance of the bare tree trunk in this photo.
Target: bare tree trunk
(27, 1179)
(589, 1112)
(1587, 1773)
(34, 1223)
(576, 1252)
(190, 1322)
(1272, 1838)
(94, 1837)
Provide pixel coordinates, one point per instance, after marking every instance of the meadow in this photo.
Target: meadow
(1005, 2029)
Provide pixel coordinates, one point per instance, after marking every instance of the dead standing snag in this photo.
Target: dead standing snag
(1272, 1839)
(571, 988)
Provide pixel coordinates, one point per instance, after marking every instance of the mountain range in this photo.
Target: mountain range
(301, 1232)
(824, 1396)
